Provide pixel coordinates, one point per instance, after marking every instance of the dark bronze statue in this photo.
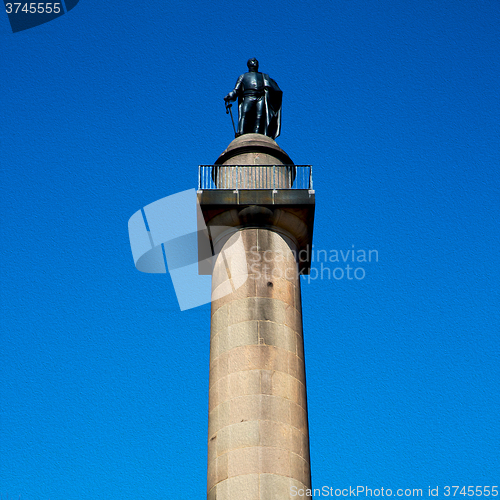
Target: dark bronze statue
(259, 102)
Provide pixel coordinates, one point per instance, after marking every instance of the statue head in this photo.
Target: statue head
(253, 64)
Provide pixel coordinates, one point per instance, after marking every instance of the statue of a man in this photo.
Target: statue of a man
(259, 102)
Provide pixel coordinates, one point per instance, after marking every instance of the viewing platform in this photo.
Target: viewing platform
(254, 183)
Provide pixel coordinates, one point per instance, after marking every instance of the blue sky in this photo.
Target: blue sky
(104, 382)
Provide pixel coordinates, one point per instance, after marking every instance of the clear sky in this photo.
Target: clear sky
(104, 381)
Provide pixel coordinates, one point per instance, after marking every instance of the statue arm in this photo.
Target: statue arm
(236, 91)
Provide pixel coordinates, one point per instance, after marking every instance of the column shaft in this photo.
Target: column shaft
(258, 440)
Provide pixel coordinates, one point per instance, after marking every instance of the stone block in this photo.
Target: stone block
(300, 346)
(283, 385)
(275, 288)
(275, 487)
(223, 441)
(302, 396)
(213, 398)
(219, 368)
(252, 308)
(299, 469)
(212, 446)
(300, 444)
(305, 448)
(233, 257)
(296, 441)
(291, 334)
(213, 422)
(218, 393)
(301, 369)
(244, 383)
(293, 319)
(232, 289)
(224, 392)
(222, 491)
(219, 272)
(266, 381)
(280, 336)
(244, 434)
(222, 467)
(297, 295)
(275, 434)
(211, 474)
(219, 319)
(276, 409)
(224, 415)
(242, 358)
(257, 357)
(298, 392)
(242, 461)
(245, 409)
(296, 367)
(214, 348)
(245, 487)
(223, 340)
(298, 417)
(242, 310)
(271, 358)
(211, 495)
(274, 461)
(240, 334)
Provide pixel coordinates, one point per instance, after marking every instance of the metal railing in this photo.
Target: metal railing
(237, 177)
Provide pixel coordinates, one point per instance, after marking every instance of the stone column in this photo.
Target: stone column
(258, 438)
(258, 446)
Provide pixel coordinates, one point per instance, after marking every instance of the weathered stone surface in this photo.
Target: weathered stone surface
(298, 418)
(276, 288)
(258, 435)
(274, 461)
(239, 435)
(280, 336)
(300, 469)
(256, 407)
(275, 487)
(242, 488)
(257, 357)
(237, 335)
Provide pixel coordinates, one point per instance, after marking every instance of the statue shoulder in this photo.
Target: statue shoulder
(269, 82)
